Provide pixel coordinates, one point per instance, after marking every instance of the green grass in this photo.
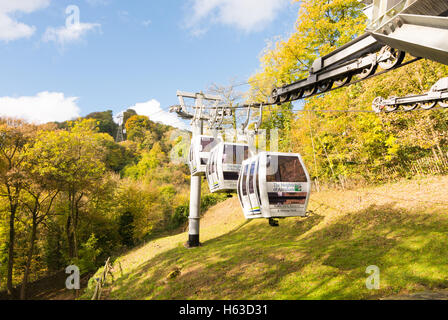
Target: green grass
(324, 256)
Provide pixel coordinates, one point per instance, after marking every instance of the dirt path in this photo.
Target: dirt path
(50, 288)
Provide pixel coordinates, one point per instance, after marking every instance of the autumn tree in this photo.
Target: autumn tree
(105, 122)
(37, 202)
(73, 160)
(129, 113)
(136, 127)
(321, 27)
(14, 138)
(150, 160)
(348, 142)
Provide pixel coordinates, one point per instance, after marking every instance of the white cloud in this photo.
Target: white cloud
(155, 113)
(42, 108)
(10, 28)
(246, 15)
(71, 33)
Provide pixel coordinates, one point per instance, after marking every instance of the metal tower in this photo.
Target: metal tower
(120, 130)
(197, 117)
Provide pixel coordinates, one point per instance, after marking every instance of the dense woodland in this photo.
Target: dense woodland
(70, 194)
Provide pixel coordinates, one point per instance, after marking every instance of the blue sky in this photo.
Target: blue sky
(125, 54)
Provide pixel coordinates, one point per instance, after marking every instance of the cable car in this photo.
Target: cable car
(274, 185)
(200, 149)
(224, 166)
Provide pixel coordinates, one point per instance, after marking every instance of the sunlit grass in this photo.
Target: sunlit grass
(322, 257)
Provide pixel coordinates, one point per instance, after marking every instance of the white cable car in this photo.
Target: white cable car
(274, 185)
(199, 153)
(224, 165)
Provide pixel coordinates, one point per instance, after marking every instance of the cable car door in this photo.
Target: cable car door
(242, 192)
(287, 185)
(209, 172)
(212, 177)
(216, 166)
(206, 145)
(252, 186)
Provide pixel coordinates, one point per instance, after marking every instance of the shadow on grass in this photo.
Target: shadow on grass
(303, 259)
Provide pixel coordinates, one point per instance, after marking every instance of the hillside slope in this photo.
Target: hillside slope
(402, 228)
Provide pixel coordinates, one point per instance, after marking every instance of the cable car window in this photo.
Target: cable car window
(251, 178)
(229, 175)
(285, 198)
(227, 156)
(207, 144)
(235, 154)
(241, 154)
(289, 169)
(244, 178)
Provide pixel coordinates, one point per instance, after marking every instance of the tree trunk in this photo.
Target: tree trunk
(75, 224)
(75, 244)
(75, 227)
(29, 260)
(9, 283)
(69, 235)
(72, 226)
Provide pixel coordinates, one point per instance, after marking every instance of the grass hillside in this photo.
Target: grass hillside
(401, 228)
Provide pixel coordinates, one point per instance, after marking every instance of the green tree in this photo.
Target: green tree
(128, 114)
(321, 27)
(136, 128)
(346, 144)
(74, 161)
(89, 253)
(149, 161)
(37, 202)
(105, 122)
(126, 229)
(14, 138)
(139, 200)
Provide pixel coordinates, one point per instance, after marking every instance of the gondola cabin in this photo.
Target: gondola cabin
(274, 185)
(224, 166)
(200, 149)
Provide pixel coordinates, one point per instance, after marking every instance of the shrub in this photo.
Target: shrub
(88, 255)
